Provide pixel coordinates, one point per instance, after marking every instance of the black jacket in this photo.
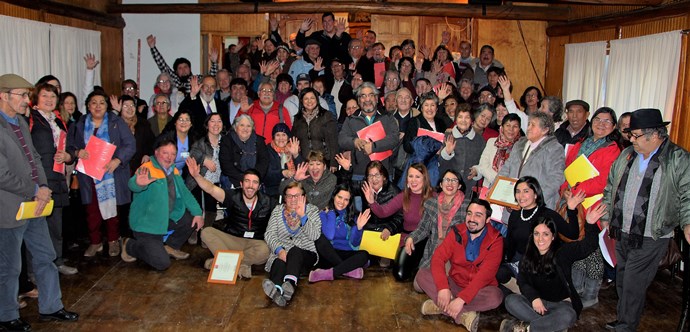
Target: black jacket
(563, 135)
(230, 155)
(392, 223)
(237, 221)
(42, 136)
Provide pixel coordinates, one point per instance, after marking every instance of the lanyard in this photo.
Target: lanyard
(251, 210)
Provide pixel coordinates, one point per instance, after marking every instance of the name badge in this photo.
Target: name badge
(184, 155)
(249, 235)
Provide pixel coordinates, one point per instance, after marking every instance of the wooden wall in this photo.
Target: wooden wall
(112, 62)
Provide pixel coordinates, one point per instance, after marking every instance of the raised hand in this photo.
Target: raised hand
(343, 161)
(425, 51)
(195, 85)
(143, 178)
(318, 64)
(368, 192)
(301, 206)
(193, 167)
(340, 27)
(444, 91)
(115, 103)
(504, 82)
(574, 200)
(272, 66)
(594, 214)
(213, 55)
(306, 25)
(240, 45)
(151, 40)
(363, 218)
(301, 172)
(244, 104)
(450, 144)
(293, 147)
(91, 61)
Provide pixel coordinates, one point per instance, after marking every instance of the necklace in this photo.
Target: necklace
(530, 217)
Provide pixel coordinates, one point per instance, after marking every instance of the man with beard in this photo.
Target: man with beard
(266, 112)
(201, 103)
(367, 97)
(160, 230)
(474, 251)
(182, 68)
(244, 226)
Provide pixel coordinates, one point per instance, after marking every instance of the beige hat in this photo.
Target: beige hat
(13, 81)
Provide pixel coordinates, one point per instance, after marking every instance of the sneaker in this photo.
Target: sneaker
(507, 325)
(357, 273)
(430, 308)
(612, 325)
(67, 270)
(273, 292)
(124, 255)
(590, 303)
(288, 290)
(245, 271)
(176, 254)
(193, 239)
(385, 263)
(114, 248)
(93, 250)
(470, 320)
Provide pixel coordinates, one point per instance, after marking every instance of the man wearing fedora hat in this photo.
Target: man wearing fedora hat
(646, 197)
(22, 179)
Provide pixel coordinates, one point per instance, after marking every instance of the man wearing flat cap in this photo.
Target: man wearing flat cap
(576, 128)
(22, 179)
(646, 196)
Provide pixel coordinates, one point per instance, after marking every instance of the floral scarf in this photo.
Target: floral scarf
(286, 161)
(105, 188)
(503, 148)
(446, 211)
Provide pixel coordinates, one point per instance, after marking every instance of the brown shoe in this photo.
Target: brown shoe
(430, 308)
(22, 304)
(93, 250)
(124, 255)
(208, 264)
(31, 294)
(470, 320)
(176, 254)
(245, 271)
(114, 248)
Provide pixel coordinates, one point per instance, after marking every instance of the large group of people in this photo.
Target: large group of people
(304, 152)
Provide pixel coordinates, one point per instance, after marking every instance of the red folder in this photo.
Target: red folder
(60, 167)
(379, 71)
(435, 135)
(374, 132)
(100, 153)
(450, 69)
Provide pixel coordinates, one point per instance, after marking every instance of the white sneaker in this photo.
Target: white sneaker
(67, 270)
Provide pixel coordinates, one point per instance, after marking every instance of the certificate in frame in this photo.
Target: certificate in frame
(503, 192)
(226, 266)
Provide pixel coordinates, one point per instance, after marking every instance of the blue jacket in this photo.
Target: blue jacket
(341, 235)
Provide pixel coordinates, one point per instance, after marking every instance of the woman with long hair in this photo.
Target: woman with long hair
(548, 300)
(342, 233)
(315, 128)
(407, 71)
(69, 109)
(410, 201)
(531, 100)
(140, 129)
(179, 129)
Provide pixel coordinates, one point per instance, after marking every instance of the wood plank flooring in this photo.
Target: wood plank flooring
(111, 295)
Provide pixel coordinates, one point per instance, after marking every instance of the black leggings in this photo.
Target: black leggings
(342, 261)
(405, 266)
(298, 261)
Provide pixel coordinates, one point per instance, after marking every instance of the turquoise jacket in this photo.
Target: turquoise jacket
(149, 212)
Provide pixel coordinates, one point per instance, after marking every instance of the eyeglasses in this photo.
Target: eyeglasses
(367, 95)
(266, 90)
(23, 95)
(356, 47)
(129, 88)
(392, 80)
(357, 79)
(163, 81)
(450, 180)
(374, 176)
(408, 48)
(161, 103)
(183, 121)
(636, 136)
(288, 196)
(128, 106)
(604, 121)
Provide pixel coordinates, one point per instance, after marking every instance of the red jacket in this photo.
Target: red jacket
(471, 276)
(264, 122)
(602, 159)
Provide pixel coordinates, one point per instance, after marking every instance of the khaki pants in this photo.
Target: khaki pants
(255, 251)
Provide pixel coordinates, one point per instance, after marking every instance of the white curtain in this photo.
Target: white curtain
(25, 45)
(68, 48)
(583, 72)
(643, 73)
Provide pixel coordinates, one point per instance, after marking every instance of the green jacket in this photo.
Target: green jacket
(149, 212)
(672, 206)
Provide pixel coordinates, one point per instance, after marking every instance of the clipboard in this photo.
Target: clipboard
(502, 192)
(226, 266)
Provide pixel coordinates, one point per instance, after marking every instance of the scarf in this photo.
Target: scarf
(639, 219)
(131, 123)
(54, 128)
(503, 148)
(248, 150)
(589, 146)
(309, 116)
(105, 188)
(286, 161)
(446, 211)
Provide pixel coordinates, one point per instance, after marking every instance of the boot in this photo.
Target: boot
(590, 296)
(470, 320)
(430, 308)
(320, 275)
(357, 273)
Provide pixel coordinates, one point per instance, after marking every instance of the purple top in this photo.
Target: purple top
(411, 217)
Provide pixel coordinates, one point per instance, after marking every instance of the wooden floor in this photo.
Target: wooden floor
(111, 295)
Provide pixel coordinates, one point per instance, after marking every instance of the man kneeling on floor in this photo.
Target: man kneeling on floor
(247, 216)
(474, 251)
(160, 229)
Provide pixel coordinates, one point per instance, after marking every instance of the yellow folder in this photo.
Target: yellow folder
(580, 170)
(27, 209)
(589, 201)
(371, 242)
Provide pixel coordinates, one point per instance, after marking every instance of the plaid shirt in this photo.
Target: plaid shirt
(163, 67)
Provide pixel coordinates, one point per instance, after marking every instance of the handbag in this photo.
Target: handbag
(562, 210)
(672, 255)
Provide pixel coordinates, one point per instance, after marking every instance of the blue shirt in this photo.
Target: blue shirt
(14, 120)
(642, 163)
(472, 247)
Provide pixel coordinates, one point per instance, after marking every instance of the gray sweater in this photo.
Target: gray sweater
(277, 235)
(428, 228)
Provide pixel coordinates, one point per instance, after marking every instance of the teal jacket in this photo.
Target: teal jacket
(149, 212)
(672, 205)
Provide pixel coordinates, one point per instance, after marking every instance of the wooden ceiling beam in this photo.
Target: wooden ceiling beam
(599, 2)
(503, 12)
(611, 21)
(71, 11)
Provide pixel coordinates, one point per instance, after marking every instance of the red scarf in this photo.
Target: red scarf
(446, 212)
(503, 148)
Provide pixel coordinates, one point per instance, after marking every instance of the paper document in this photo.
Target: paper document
(372, 243)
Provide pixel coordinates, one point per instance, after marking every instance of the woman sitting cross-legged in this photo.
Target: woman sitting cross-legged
(549, 301)
(342, 233)
(290, 235)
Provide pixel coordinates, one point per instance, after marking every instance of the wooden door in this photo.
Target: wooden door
(392, 30)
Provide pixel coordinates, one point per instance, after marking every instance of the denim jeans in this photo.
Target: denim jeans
(559, 315)
(35, 235)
